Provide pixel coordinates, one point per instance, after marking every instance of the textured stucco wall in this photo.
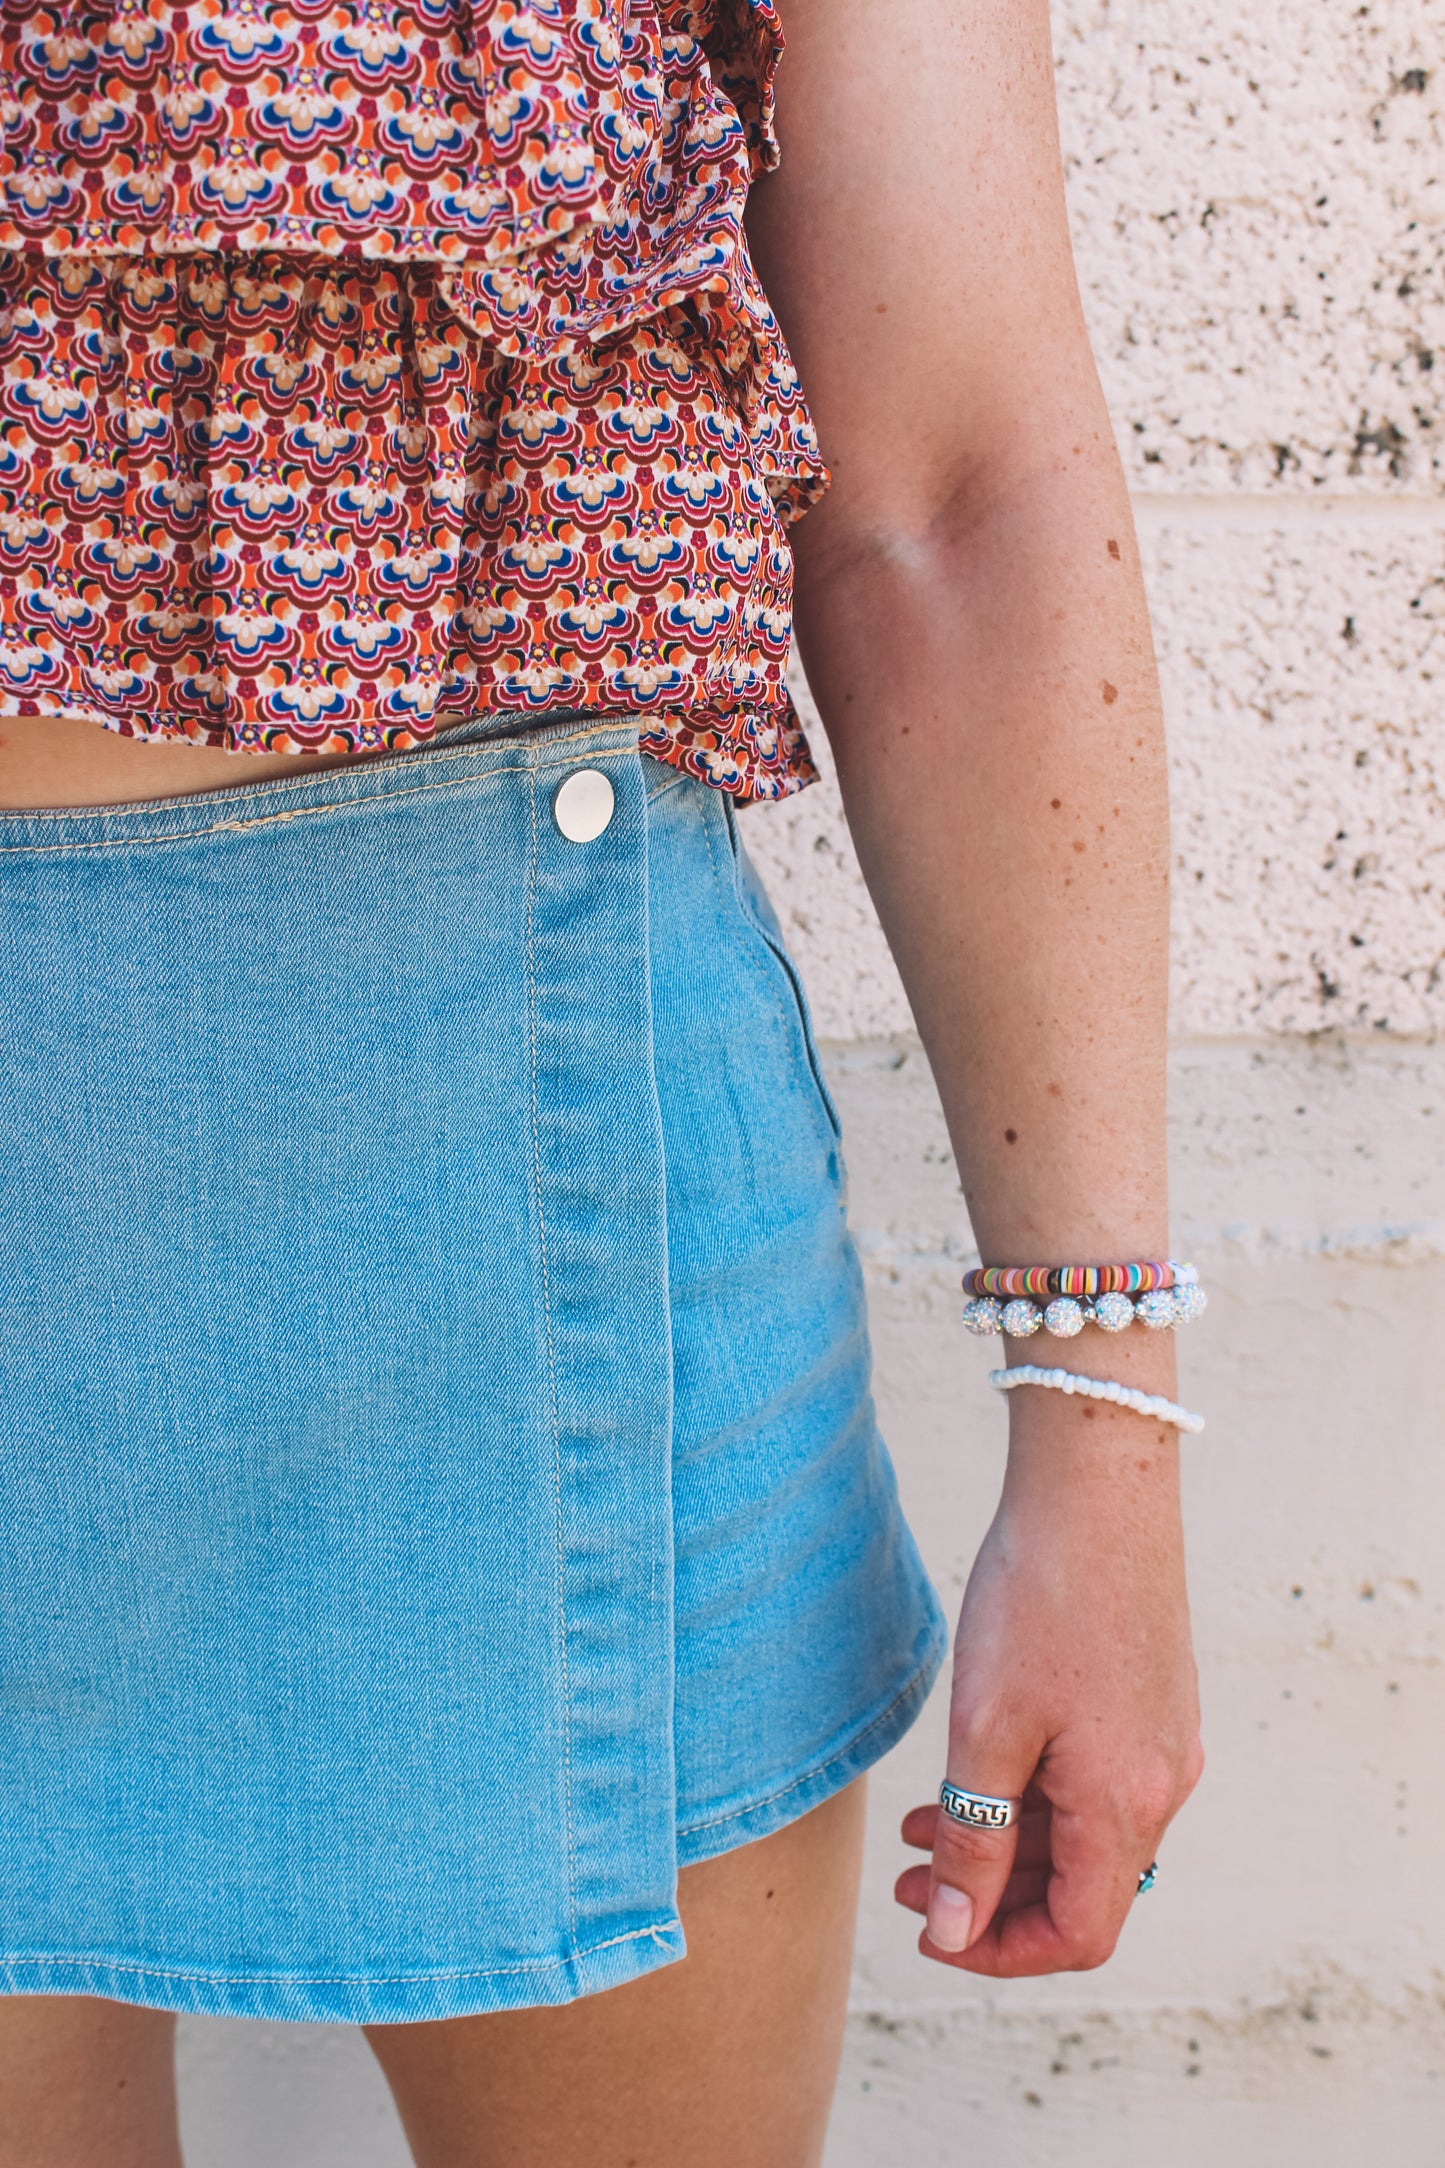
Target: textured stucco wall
(1259, 204)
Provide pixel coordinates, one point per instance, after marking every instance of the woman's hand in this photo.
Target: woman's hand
(1073, 1687)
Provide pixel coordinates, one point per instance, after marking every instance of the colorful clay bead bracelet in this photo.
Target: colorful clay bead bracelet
(1160, 1309)
(1046, 1280)
(1122, 1396)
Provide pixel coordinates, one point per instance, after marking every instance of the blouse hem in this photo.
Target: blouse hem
(697, 742)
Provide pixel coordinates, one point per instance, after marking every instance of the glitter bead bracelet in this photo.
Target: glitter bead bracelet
(1122, 1396)
(1160, 1308)
(1045, 1280)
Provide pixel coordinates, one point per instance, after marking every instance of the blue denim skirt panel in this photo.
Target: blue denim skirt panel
(441, 1492)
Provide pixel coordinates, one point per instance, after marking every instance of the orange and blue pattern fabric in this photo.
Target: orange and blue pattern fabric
(363, 363)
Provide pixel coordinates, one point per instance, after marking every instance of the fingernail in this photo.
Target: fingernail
(950, 1918)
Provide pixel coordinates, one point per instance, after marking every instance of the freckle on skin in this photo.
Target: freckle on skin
(1056, 803)
(881, 309)
(1113, 549)
(1111, 693)
(1056, 1091)
(1080, 844)
(1010, 1136)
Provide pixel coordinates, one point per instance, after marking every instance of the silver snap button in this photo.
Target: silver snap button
(583, 805)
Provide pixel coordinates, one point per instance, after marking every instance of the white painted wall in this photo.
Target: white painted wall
(1259, 201)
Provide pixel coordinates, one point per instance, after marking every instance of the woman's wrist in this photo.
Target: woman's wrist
(1138, 1356)
(1057, 1437)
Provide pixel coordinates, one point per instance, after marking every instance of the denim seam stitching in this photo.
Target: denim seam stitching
(674, 782)
(660, 1934)
(561, 1579)
(266, 820)
(715, 1821)
(134, 808)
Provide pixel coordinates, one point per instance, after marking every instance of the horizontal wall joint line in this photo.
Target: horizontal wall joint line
(1290, 510)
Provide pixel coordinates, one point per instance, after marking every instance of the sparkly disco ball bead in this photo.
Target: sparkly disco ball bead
(981, 1316)
(1064, 1317)
(1113, 1313)
(1020, 1318)
(1157, 1310)
(1190, 1301)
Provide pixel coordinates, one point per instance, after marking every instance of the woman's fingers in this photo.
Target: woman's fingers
(1054, 1899)
(971, 1866)
(1071, 1922)
(1032, 1832)
(1026, 1885)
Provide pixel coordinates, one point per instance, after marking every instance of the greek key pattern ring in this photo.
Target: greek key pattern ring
(977, 1810)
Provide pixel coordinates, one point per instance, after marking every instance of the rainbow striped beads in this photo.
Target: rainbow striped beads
(1041, 1282)
(1019, 1300)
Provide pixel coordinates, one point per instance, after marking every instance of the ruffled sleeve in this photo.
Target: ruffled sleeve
(672, 236)
(743, 40)
(680, 156)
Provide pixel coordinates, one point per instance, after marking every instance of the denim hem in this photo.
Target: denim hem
(398, 1998)
(785, 1802)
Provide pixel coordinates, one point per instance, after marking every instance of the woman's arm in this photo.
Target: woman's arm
(972, 619)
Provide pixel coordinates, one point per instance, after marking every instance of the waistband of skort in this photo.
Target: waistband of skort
(495, 744)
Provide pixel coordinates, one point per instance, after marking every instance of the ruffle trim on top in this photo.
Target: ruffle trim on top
(301, 506)
(743, 40)
(679, 231)
(464, 131)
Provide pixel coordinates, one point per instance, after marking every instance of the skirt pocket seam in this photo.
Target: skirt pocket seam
(778, 954)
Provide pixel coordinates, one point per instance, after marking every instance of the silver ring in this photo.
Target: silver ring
(977, 1810)
(1148, 1878)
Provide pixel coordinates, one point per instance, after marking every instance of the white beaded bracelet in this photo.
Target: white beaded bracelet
(1123, 1396)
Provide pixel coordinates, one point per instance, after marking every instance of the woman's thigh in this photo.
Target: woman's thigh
(86, 2083)
(728, 2057)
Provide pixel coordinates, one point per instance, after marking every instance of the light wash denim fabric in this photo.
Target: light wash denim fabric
(440, 1489)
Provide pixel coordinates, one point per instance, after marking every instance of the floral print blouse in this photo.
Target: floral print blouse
(368, 361)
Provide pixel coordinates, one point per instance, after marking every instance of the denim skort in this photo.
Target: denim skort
(440, 1492)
